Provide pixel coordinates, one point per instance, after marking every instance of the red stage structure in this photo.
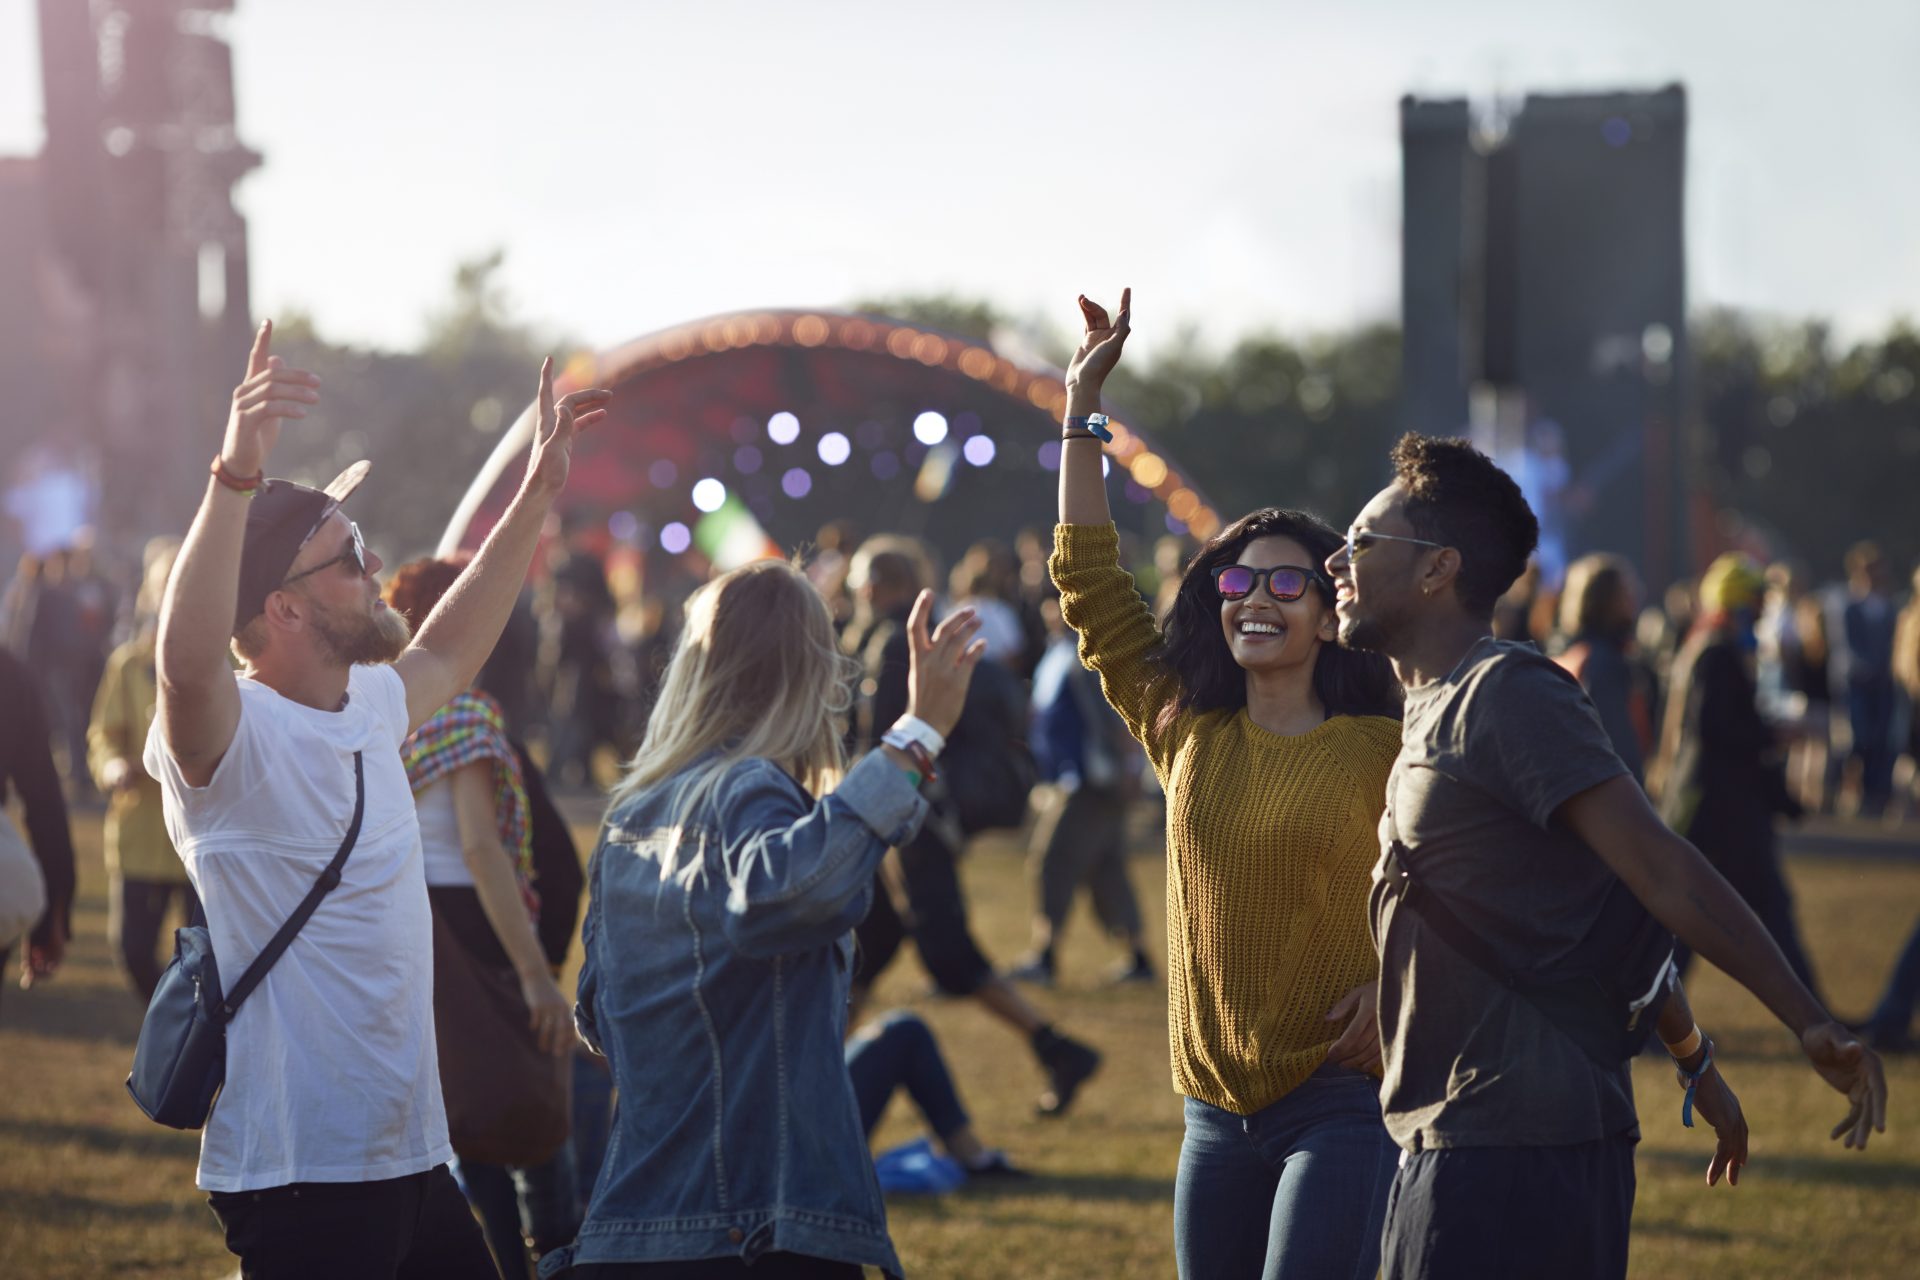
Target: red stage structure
(744, 433)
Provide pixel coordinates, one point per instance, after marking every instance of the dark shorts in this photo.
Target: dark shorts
(413, 1228)
(938, 927)
(1511, 1211)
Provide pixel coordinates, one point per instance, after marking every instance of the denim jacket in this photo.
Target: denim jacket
(715, 983)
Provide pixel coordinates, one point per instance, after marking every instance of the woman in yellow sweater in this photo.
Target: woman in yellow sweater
(1273, 745)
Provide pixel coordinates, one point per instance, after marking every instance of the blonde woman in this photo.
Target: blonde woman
(737, 857)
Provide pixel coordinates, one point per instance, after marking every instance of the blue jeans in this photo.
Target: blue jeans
(534, 1205)
(899, 1050)
(1297, 1189)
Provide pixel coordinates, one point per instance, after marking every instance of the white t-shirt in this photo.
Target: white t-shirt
(445, 865)
(331, 1071)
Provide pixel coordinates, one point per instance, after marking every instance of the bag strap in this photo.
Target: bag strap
(321, 888)
(1425, 903)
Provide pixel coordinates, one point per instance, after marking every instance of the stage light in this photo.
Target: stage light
(709, 494)
(796, 483)
(1148, 470)
(746, 459)
(978, 450)
(663, 473)
(675, 538)
(783, 428)
(930, 428)
(834, 448)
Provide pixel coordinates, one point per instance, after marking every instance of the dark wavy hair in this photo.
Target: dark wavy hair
(1195, 653)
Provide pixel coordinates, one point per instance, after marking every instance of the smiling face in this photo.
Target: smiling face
(1377, 593)
(1265, 634)
(349, 621)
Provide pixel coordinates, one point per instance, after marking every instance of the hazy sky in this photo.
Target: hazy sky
(1237, 163)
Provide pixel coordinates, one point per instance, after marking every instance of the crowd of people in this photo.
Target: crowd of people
(1440, 838)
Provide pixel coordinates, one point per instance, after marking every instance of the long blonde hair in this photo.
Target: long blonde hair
(756, 673)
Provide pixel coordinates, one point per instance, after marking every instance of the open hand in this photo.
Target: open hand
(942, 663)
(1358, 1047)
(1855, 1070)
(1718, 1107)
(268, 393)
(1099, 349)
(559, 424)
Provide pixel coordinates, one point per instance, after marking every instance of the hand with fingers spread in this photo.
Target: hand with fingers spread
(558, 427)
(1099, 349)
(941, 664)
(269, 393)
(1855, 1070)
(1358, 1047)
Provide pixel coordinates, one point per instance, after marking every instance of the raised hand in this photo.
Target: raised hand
(269, 393)
(1855, 1070)
(941, 664)
(1099, 349)
(559, 425)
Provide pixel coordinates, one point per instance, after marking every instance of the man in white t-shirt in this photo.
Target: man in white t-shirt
(326, 1152)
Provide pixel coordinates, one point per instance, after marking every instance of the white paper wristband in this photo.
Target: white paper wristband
(921, 732)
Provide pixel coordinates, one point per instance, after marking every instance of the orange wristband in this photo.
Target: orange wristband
(248, 485)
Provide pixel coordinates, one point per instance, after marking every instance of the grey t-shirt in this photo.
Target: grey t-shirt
(1487, 755)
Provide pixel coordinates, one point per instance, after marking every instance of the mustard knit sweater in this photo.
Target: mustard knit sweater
(1271, 843)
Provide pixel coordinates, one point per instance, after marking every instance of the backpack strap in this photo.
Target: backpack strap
(1436, 915)
(329, 878)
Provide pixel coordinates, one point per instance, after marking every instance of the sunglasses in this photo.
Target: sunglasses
(1359, 540)
(1284, 581)
(355, 555)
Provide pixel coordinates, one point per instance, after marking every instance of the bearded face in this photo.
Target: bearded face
(376, 636)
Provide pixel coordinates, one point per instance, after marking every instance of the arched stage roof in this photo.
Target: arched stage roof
(802, 417)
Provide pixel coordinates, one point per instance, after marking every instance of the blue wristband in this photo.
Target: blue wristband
(1094, 422)
(1691, 1079)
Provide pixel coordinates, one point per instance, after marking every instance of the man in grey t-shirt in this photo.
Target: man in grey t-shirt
(1514, 812)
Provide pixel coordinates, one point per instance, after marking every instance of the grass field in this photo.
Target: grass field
(89, 1188)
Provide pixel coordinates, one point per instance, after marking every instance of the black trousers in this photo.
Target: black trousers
(1474, 1212)
(413, 1228)
(135, 911)
(938, 926)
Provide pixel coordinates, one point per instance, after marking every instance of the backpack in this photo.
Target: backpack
(1607, 1005)
(987, 767)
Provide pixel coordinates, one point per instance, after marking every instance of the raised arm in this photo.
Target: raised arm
(1687, 895)
(1083, 487)
(454, 641)
(198, 706)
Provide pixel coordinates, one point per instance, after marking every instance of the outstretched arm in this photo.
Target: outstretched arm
(1083, 488)
(198, 704)
(1687, 895)
(457, 636)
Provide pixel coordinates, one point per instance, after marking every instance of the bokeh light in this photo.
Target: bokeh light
(930, 427)
(886, 465)
(746, 459)
(675, 538)
(663, 473)
(709, 494)
(978, 450)
(834, 448)
(1049, 455)
(796, 483)
(783, 428)
(624, 526)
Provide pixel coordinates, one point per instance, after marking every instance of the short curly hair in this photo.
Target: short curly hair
(1457, 496)
(416, 587)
